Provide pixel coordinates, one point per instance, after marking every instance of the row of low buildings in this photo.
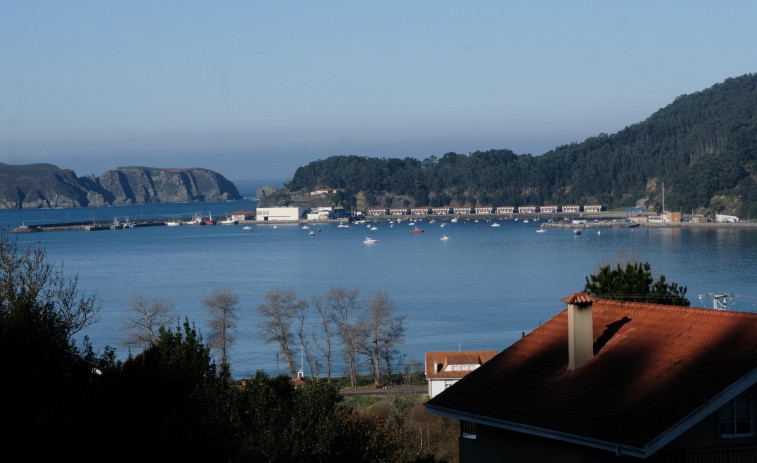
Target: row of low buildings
(289, 214)
(528, 209)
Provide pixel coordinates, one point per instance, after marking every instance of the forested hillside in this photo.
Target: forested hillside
(702, 147)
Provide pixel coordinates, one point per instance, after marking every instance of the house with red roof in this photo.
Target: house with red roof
(607, 380)
(443, 369)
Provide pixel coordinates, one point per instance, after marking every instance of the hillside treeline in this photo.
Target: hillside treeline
(702, 147)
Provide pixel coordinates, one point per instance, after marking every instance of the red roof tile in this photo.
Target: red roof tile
(443, 359)
(653, 366)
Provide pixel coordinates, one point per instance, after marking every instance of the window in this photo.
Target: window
(468, 429)
(736, 417)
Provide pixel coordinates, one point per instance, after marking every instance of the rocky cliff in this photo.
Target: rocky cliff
(46, 185)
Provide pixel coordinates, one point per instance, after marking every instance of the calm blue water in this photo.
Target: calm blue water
(481, 289)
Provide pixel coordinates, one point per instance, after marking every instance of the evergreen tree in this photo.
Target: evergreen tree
(634, 283)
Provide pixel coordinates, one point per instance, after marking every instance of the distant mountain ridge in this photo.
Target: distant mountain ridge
(702, 147)
(46, 185)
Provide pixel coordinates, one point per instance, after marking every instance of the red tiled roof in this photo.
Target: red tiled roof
(654, 365)
(473, 357)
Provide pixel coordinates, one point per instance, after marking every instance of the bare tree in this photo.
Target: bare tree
(323, 331)
(222, 305)
(277, 311)
(345, 308)
(26, 273)
(301, 314)
(383, 330)
(147, 317)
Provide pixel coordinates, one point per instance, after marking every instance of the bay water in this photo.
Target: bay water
(481, 289)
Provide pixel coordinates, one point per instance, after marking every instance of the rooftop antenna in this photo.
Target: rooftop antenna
(720, 301)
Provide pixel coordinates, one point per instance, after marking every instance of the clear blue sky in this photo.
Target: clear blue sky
(256, 89)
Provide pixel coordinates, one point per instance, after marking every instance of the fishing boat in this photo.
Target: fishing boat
(229, 221)
(370, 240)
(172, 223)
(211, 220)
(196, 220)
(417, 230)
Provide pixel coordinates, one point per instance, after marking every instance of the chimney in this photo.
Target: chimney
(580, 329)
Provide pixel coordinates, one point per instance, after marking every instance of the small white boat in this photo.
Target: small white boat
(343, 225)
(442, 225)
(541, 230)
(374, 228)
(305, 227)
(229, 221)
(173, 223)
(495, 224)
(370, 240)
(444, 238)
(312, 233)
(247, 227)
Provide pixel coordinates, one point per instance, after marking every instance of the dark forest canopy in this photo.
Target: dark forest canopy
(702, 147)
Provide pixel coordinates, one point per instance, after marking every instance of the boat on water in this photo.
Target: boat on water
(196, 220)
(541, 230)
(374, 228)
(343, 225)
(229, 221)
(210, 220)
(370, 240)
(417, 230)
(172, 223)
(576, 232)
(495, 224)
(444, 238)
(247, 227)
(454, 220)
(312, 233)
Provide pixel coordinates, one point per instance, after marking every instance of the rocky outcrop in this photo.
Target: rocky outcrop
(46, 185)
(264, 191)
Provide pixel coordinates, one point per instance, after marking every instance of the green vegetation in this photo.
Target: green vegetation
(703, 147)
(170, 402)
(634, 283)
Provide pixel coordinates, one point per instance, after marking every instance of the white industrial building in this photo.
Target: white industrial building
(280, 214)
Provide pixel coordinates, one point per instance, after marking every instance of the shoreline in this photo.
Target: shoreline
(592, 220)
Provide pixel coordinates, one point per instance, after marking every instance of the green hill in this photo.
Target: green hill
(702, 147)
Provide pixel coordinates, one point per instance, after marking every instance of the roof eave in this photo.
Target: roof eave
(617, 449)
(651, 448)
(708, 408)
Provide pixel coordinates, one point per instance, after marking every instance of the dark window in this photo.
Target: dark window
(736, 417)
(468, 429)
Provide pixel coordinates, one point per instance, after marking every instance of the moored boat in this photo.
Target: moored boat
(370, 240)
